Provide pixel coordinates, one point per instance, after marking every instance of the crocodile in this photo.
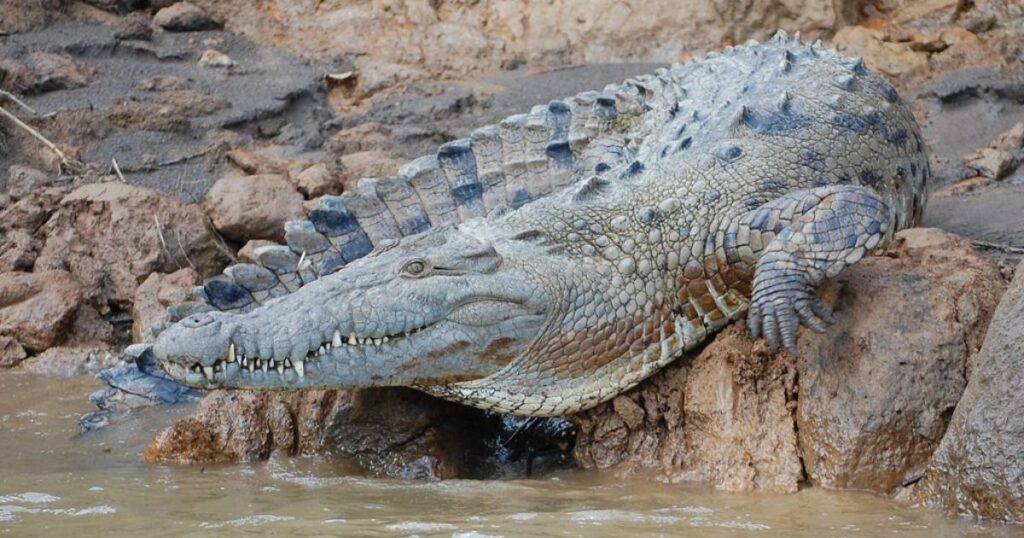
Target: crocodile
(550, 262)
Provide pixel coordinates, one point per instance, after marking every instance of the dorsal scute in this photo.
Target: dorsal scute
(587, 139)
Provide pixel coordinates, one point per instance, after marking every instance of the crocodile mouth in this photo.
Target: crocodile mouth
(235, 362)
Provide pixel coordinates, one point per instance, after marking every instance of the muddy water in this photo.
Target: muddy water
(54, 484)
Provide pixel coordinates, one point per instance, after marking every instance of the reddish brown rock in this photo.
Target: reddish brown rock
(11, 352)
(183, 17)
(253, 207)
(877, 390)
(723, 417)
(248, 252)
(978, 468)
(316, 180)
(370, 163)
(90, 327)
(57, 72)
(36, 309)
(112, 235)
(391, 432)
(158, 292)
(16, 77)
(18, 250)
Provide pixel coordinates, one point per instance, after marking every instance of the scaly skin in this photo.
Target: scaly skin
(739, 185)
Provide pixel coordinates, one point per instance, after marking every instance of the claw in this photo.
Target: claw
(771, 329)
(822, 312)
(754, 321)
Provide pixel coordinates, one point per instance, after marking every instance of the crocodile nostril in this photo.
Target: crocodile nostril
(197, 320)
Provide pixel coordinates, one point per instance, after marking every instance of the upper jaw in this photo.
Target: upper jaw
(294, 371)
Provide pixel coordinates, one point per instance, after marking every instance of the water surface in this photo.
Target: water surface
(53, 483)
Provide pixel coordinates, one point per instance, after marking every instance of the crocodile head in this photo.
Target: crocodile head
(432, 309)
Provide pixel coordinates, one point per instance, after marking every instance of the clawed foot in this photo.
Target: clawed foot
(778, 313)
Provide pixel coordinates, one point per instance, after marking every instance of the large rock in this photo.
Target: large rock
(253, 207)
(877, 390)
(978, 468)
(390, 432)
(864, 406)
(36, 309)
(723, 417)
(112, 235)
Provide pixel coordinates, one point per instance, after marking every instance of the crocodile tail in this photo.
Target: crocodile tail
(496, 168)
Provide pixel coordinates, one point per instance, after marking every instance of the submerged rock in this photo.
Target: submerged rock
(978, 468)
(863, 407)
(387, 432)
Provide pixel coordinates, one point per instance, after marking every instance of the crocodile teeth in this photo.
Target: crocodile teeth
(336, 339)
(300, 368)
(231, 353)
(287, 363)
(321, 351)
(208, 372)
(280, 368)
(352, 339)
(385, 339)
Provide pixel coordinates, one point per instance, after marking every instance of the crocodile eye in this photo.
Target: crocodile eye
(415, 268)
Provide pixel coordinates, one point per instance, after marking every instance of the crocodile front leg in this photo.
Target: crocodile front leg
(830, 229)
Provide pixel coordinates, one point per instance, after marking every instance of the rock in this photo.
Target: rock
(999, 159)
(36, 309)
(317, 180)
(370, 163)
(183, 17)
(725, 418)
(387, 432)
(248, 252)
(11, 352)
(252, 163)
(112, 235)
(363, 137)
(253, 207)
(71, 361)
(32, 211)
(992, 163)
(90, 326)
(161, 83)
(57, 72)
(118, 6)
(158, 292)
(135, 26)
(878, 388)
(18, 250)
(213, 58)
(897, 60)
(977, 469)
(16, 77)
(864, 406)
(965, 186)
(24, 180)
